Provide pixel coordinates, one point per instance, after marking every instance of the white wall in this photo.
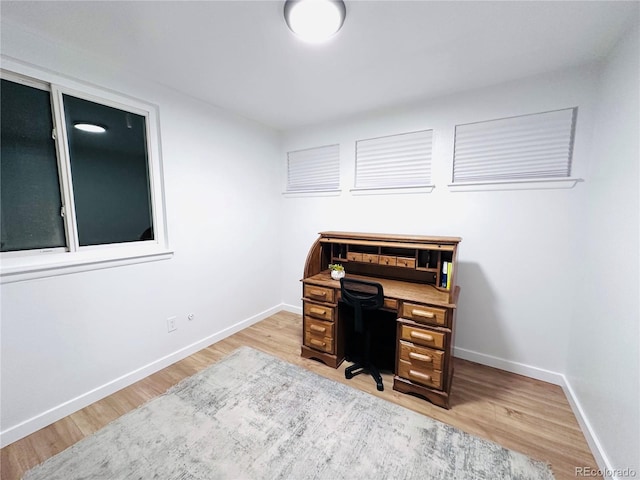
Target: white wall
(603, 357)
(69, 340)
(530, 302)
(515, 259)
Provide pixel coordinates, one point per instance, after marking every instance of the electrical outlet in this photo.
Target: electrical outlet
(191, 316)
(171, 324)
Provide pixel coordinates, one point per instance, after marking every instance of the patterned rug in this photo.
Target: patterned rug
(253, 416)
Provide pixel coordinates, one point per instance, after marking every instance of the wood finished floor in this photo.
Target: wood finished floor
(517, 412)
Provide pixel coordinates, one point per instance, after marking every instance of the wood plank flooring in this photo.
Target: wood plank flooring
(517, 412)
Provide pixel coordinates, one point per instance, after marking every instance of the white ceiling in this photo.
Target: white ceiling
(240, 55)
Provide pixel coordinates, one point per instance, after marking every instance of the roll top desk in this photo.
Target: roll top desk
(418, 275)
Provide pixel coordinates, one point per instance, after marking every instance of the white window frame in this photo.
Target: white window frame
(520, 182)
(314, 154)
(29, 264)
(390, 156)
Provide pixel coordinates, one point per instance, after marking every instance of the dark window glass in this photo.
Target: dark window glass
(110, 174)
(30, 201)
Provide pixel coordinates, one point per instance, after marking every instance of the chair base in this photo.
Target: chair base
(358, 368)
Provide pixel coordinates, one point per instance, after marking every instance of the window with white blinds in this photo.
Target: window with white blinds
(314, 170)
(395, 161)
(536, 146)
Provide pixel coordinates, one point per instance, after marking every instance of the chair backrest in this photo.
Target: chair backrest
(361, 295)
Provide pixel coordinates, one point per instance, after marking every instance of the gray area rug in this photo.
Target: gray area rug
(253, 416)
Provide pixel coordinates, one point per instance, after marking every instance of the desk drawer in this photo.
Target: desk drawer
(418, 374)
(318, 328)
(322, 294)
(318, 311)
(324, 344)
(387, 260)
(319, 334)
(354, 256)
(420, 356)
(369, 258)
(424, 313)
(406, 262)
(390, 303)
(422, 336)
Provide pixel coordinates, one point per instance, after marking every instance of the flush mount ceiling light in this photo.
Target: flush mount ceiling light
(90, 127)
(314, 21)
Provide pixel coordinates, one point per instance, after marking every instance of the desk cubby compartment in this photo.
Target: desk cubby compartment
(338, 252)
(428, 260)
(445, 271)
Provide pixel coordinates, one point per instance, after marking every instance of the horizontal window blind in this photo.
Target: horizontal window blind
(394, 161)
(526, 147)
(314, 169)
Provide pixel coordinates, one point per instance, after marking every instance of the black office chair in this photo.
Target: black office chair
(362, 295)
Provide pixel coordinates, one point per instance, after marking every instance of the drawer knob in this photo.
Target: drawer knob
(420, 357)
(422, 376)
(317, 293)
(422, 313)
(317, 311)
(421, 336)
(316, 328)
(313, 341)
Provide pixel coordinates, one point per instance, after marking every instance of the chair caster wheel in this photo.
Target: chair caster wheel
(380, 387)
(348, 375)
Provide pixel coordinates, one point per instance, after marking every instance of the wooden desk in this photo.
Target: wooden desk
(411, 270)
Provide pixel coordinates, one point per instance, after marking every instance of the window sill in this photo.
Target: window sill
(18, 269)
(392, 190)
(538, 184)
(313, 193)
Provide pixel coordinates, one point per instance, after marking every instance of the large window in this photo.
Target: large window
(400, 161)
(78, 173)
(524, 148)
(314, 170)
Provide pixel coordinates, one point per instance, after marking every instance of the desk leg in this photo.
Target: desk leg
(437, 397)
(326, 358)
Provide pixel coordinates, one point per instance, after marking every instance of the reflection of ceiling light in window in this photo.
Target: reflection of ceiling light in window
(90, 127)
(314, 20)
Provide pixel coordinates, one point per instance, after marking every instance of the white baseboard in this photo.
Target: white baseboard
(550, 377)
(33, 424)
(291, 308)
(54, 414)
(590, 435)
(510, 366)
